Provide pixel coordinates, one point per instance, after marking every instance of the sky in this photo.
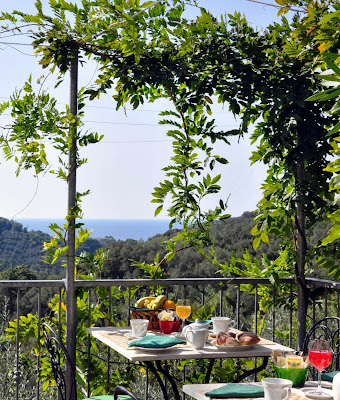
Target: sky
(123, 169)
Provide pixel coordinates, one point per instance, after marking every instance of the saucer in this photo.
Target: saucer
(130, 335)
(178, 335)
(308, 392)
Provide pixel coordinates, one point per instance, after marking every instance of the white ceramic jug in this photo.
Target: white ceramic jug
(197, 326)
(336, 387)
(196, 337)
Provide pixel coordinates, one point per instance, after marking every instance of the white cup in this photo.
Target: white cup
(196, 337)
(221, 324)
(139, 327)
(276, 388)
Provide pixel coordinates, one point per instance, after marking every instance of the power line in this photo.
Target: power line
(128, 109)
(142, 124)
(16, 44)
(134, 123)
(134, 141)
(277, 6)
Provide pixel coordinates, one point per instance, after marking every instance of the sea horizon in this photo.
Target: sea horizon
(118, 229)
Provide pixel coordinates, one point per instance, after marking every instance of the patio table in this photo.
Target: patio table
(198, 391)
(115, 339)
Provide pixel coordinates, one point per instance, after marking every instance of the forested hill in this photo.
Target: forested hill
(19, 246)
(231, 236)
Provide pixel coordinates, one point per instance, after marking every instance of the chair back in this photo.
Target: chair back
(122, 390)
(328, 329)
(59, 358)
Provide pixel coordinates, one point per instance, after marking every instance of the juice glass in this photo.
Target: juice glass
(183, 310)
(320, 357)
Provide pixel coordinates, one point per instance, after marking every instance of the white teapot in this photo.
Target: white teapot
(196, 334)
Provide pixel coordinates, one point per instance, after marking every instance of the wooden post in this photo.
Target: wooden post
(71, 305)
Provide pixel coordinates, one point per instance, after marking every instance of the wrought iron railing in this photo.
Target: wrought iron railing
(220, 285)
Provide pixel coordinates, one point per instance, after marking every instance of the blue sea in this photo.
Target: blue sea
(116, 228)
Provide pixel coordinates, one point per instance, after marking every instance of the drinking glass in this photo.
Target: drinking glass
(183, 310)
(320, 357)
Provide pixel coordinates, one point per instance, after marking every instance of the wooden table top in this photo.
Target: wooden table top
(198, 391)
(114, 338)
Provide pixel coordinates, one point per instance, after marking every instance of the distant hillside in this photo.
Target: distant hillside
(231, 236)
(18, 246)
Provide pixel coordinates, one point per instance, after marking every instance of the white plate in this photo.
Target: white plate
(308, 392)
(178, 335)
(154, 349)
(131, 336)
(324, 384)
(234, 348)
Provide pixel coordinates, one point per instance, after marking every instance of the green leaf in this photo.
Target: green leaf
(222, 160)
(335, 110)
(147, 4)
(158, 210)
(331, 64)
(325, 95)
(335, 129)
(256, 242)
(328, 17)
(333, 234)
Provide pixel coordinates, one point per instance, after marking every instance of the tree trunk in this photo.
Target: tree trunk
(301, 246)
(71, 305)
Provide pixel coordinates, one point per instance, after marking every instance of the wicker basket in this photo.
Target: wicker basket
(145, 313)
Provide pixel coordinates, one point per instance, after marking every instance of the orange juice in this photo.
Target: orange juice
(183, 312)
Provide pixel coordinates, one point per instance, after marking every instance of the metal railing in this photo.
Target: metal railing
(219, 286)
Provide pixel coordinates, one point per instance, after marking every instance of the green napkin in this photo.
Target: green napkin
(156, 342)
(328, 376)
(238, 390)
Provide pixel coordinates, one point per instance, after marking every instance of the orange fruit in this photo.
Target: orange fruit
(169, 304)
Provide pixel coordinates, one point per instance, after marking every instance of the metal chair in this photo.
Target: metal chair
(59, 356)
(327, 328)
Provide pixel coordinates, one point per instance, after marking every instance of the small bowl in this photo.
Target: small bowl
(296, 375)
(169, 326)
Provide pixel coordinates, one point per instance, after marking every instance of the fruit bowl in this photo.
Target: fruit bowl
(146, 313)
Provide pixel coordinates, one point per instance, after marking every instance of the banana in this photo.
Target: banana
(141, 302)
(150, 305)
(157, 304)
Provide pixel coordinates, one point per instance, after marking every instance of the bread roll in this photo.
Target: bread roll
(221, 338)
(246, 338)
(230, 341)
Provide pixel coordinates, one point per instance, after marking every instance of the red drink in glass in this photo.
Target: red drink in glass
(320, 359)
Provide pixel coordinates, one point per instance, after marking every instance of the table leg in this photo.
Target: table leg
(253, 371)
(154, 370)
(169, 378)
(210, 367)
